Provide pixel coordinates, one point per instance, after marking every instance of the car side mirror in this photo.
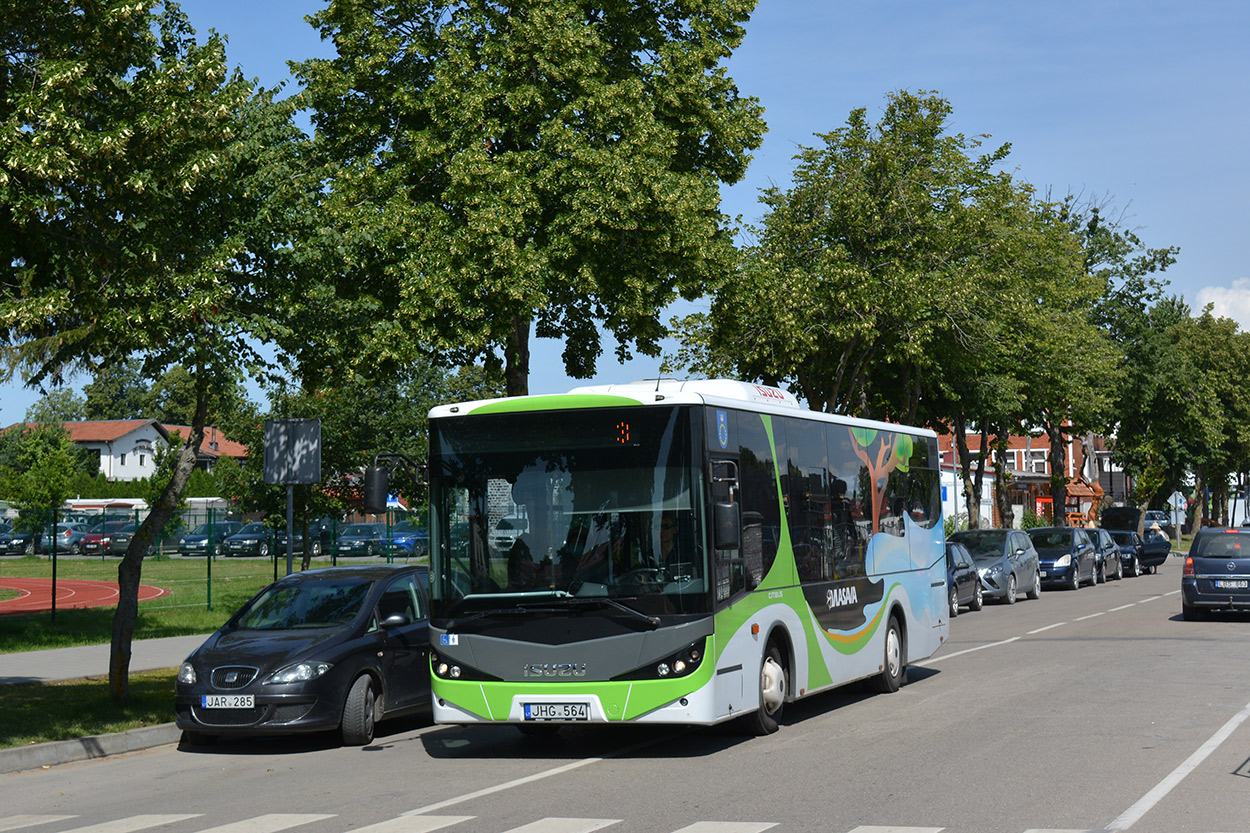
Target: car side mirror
(396, 620)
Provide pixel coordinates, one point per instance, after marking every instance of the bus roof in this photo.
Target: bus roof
(727, 392)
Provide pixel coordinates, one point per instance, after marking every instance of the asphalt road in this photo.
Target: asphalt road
(1098, 709)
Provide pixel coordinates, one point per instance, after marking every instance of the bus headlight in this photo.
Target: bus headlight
(682, 663)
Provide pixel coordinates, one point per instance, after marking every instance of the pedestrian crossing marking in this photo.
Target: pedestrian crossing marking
(18, 822)
(268, 823)
(869, 828)
(133, 823)
(1047, 830)
(727, 827)
(559, 825)
(413, 824)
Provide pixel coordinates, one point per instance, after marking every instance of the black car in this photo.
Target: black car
(297, 541)
(1132, 550)
(362, 539)
(1217, 572)
(252, 539)
(196, 541)
(334, 648)
(961, 578)
(1106, 554)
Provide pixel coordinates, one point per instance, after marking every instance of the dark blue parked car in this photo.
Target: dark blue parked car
(961, 578)
(1217, 572)
(1065, 556)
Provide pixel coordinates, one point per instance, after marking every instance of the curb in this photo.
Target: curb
(57, 752)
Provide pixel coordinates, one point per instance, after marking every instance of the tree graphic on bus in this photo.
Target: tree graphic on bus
(881, 452)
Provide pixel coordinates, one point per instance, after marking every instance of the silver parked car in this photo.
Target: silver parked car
(1006, 562)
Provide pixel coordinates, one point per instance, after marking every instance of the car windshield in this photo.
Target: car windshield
(1221, 546)
(254, 528)
(405, 526)
(1125, 538)
(982, 545)
(1059, 540)
(313, 604)
(357, 530)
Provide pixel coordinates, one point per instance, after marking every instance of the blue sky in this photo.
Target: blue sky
(1146, 104)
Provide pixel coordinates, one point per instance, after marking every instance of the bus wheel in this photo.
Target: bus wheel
(894, 666)
(774, 685)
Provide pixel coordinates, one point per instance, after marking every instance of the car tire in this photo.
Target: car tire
(1010, 596)
(978, 597)
(1075, 583)
(1191, 614)
(954, 602)
(774, 683)
(1036, 592)
(263, 549)
(359, 713)
(1100, 573)
(75, 548)
(1119, 571)
(315, 549)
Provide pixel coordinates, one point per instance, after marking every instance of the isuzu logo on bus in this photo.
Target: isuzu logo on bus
(553, 669)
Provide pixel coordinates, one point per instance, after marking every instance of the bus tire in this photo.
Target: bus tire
(894, 662)
(774, 681)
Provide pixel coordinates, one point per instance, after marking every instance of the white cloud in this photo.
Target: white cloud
(1229, 301)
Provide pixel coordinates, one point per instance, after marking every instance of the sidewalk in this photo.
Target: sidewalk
(90, 661)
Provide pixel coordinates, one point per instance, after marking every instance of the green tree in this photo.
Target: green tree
(878, 236)
(144, 192)
(39, 467)
(117, 391)
(495, 169)
(57, 406)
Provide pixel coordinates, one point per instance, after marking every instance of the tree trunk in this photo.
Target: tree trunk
(517, 357)
(1007, 515)
(1058, 480)
(130, 570)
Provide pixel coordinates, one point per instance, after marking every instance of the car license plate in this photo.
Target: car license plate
(557, 711)
(1232, 584)
(1042, 573)
(226, 701)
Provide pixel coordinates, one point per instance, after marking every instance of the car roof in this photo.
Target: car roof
(370, 572)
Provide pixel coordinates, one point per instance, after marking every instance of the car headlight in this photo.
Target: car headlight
(298, 673)
(1064, 560)
(186, 674)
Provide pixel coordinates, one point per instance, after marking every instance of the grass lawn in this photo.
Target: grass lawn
(42, 712)
(185, 610)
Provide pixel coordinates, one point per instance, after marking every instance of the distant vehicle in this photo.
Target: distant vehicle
(297, 542)
(331, 649)
(1132, 548)
(19, 542)
(1107, 554)
(1216, 575)
(69, 539)
(1065, 555)
(196, 541)
(1006, 560)
(507, 531)
(1160, 517)
(100, 537)
(410, 538)
(119, 541)
(251, 539)
(962, 581)
(367, 539)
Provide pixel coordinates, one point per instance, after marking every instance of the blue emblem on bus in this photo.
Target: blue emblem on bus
(722, 428)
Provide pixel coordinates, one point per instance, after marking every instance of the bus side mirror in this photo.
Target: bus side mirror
(377, 487)
(727, 526)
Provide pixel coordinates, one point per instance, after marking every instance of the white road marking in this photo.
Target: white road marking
(556, 825)
(1122, 607)
(1150, 799)
(932, 660)
(133, 823)
(268, 823)
(18, 822)
(507, 785)
(413, 824)
(727, 827)
(1048, 627)
(1091, 616)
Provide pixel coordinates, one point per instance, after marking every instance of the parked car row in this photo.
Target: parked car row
(1002, 564)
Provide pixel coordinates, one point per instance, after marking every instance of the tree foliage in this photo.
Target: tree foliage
(494, 168)
(144, 192)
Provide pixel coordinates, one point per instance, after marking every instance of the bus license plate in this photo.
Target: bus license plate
(557, 711)
(1232, 584)
(226, 701)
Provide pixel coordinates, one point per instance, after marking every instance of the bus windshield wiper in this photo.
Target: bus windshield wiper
(652, 622)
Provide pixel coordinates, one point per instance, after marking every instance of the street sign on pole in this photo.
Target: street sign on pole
(292, 456)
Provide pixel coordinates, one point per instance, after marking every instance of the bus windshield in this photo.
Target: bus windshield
(535, 508)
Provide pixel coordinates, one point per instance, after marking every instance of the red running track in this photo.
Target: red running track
(36, 594)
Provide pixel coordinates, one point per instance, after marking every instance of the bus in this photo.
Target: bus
(684, 552)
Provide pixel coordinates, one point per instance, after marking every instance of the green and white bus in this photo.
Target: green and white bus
(675, 552)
